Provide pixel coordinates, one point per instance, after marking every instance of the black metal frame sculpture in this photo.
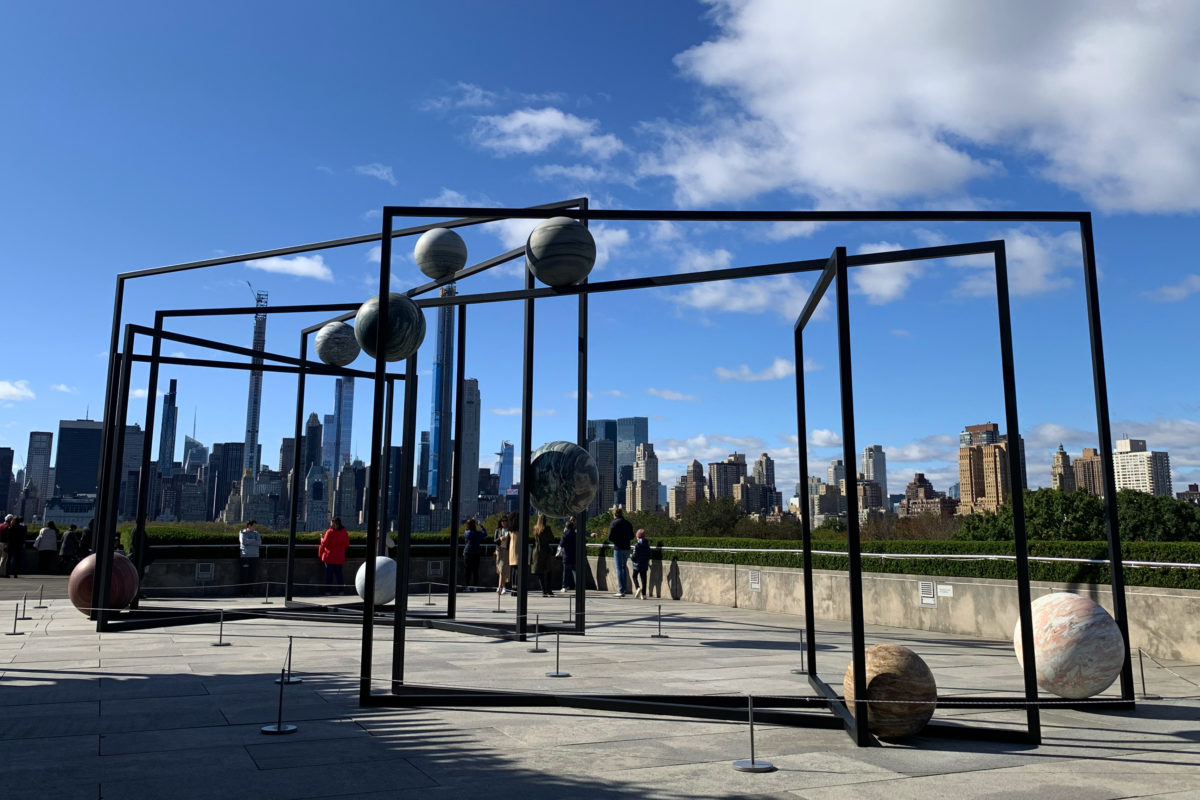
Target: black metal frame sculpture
(833, 272)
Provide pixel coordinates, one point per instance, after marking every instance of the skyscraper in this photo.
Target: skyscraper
(287, 455)
(1089, 472)
(874, 466)
(343, 418)
(166, 436)
(642, 492)
(1062, 476)
(724, 475)
(6, 477)
(312, 444)
(1137, 468)
(504, 465)
(195, 455)
(631, 431)
(254, 394)
(37, 463)
(764, 471)
(225, 470)
(440, 426)
(604, 453)
(468, 487)
(329, 443)
(77, 459)
(983, 469)
(423, 473)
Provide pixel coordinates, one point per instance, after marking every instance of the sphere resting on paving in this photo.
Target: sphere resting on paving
(385, 580)
(440, 252)
(1077, 646)
(898, 675)
(122, 587)
(560, 252)
(406, 327)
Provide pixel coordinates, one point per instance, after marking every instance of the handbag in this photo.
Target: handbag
(558, 552)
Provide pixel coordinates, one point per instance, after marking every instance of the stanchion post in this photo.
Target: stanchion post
(537, 630)
(279, 727)
(290, 677)
(570, 609)
(753, 765)
(40, 603)
(801, 670)
(429, 593)
(267, 593)
(558, 673)
(24, 600)
(16, 611)
(1142, 670)
(220, 642)
(660, 634)
(498, 609)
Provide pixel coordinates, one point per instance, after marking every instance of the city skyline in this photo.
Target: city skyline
(689, 118)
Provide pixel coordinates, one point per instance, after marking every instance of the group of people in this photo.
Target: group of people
(546, 548)
(56, 550)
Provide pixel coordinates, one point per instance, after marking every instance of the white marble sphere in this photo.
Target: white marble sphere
(564, 479)
(385, 580)
(896, 674)
(440, 252)
(560, 251)
(1078, 647)
(406, 327)
(336, 344)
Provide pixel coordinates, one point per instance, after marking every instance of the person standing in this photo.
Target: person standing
(46, 545)
(472, 551)
(86, 545)
(8, 518)
(332, 552)
(14, 537)
(566, 548)
(620, 535)
(543, 558)
(249, 542)
(69, 550)
(641, 564)
(514, 554)
(502, 537)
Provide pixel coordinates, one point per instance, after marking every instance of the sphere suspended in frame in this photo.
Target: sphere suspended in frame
(563, 479)
(901, 691)
(1078, 647)
(440, 252)
(336, 344)
(406, 327)
(122, 587)
(385, 580)
(560, 252)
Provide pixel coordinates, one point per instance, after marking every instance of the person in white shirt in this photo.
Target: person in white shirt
(46, 545)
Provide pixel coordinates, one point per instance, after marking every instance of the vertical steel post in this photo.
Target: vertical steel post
(296, 478)
(107, 436)
(1116, 565)
(853, 540)
(456, 474)
(526, 454)
(805, 503)
(385, 499)
(404, 514)
(105, 532)
(581, 406)
(143, 502)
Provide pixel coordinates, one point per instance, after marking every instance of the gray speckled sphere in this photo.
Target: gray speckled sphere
(385, 580)
(336, 344)
(564, 479)
(406, 323)
(440, 252)
(560, 251)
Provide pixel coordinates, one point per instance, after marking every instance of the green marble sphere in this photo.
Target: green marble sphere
(563, 479)
(406, 327)
(336, 345)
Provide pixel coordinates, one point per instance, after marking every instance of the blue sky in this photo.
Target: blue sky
(143, 134)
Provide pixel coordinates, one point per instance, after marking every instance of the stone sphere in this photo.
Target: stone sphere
(385, 580)
(1078, 647)
(560, 251)
(336, 345)
(440, 252)
(122, 588)
(564, 479)
(406, 327)
(894, 673)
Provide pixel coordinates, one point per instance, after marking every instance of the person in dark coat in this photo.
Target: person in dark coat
(4, 544)
(543, 556)
(566, 546)
(641, 564)
(14, 538)
(472, 551)
(68, 551)
(620, 535)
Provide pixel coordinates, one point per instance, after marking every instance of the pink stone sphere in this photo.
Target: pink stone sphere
(1078, 647)
(121, 589)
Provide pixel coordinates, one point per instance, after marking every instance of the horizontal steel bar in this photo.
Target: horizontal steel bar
(654, 215)
(313, 368)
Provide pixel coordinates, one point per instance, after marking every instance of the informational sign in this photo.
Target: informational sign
(755, 580)
(926, 594)
(945, 590)
(205, 571)
(434, 568)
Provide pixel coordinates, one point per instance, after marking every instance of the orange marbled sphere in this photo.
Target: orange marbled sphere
(1078, 647)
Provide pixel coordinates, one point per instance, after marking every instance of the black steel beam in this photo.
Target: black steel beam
(676, 215)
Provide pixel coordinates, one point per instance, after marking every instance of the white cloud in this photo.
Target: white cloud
(300, 266)
(16, 390)
(779, 369)
(1180, 291)
(870, 103)
(784, 295)
(516, 412)
(528, 130)
(1048, 435)
(823, 437)
(939, 447)
(902, 333)
(177, 354)
(141, 394)
(464, 95)
(376, 170)
(706, 447)
(62, 387)
(671, 394)
(883, 283)
(1036, 262)
(574, 394)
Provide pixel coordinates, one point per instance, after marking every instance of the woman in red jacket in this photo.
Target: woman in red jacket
(333, 552)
